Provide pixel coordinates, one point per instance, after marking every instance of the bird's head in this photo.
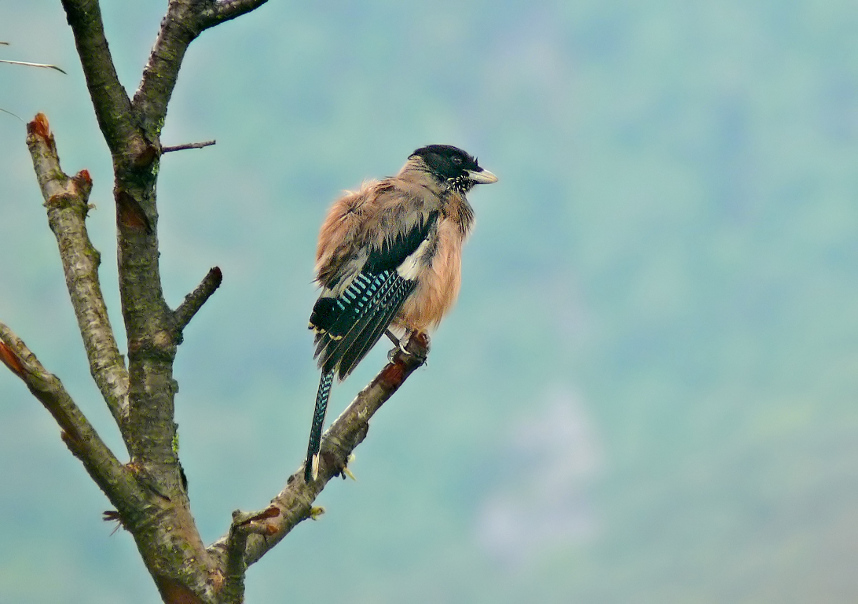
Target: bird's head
(452, 165)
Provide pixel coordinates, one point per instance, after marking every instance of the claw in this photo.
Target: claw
(346, 470)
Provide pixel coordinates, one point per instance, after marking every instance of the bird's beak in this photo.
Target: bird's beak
(483, 177)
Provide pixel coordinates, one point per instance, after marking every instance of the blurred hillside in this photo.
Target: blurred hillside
(647, 390)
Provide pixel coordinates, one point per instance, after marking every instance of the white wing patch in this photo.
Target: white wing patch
(413, 265)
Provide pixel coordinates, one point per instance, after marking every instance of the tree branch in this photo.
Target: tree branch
(111, 103)
(179, 28)
(294, 502)
(224, 10)
(66, 200)
(78, 434)
(195, 300)
(235, 566)
(185, 20)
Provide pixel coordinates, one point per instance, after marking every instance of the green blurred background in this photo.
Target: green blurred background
(647, 390)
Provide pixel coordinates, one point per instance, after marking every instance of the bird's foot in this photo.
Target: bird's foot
(418, 344)
(346, 471)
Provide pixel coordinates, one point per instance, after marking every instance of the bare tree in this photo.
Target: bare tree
(149, 492)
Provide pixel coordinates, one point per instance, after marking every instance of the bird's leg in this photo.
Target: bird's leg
(393, 338)
(398, 343)
(413, 342)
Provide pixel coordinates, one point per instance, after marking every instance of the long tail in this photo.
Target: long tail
(311, 467)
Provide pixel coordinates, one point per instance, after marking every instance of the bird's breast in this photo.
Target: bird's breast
(438, 281)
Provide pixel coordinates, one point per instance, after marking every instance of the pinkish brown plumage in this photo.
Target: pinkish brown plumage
(389, 260)
(439, 283)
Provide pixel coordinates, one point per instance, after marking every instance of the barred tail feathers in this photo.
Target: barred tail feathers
(311, 467)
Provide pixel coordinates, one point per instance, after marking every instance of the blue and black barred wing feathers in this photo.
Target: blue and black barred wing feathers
(348, 326)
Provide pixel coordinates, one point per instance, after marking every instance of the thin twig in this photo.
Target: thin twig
(13, 115)
(27, 64)
(171, 148)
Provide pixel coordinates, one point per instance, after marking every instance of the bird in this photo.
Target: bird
(388, 261)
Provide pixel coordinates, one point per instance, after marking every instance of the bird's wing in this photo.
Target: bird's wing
(349, 323)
